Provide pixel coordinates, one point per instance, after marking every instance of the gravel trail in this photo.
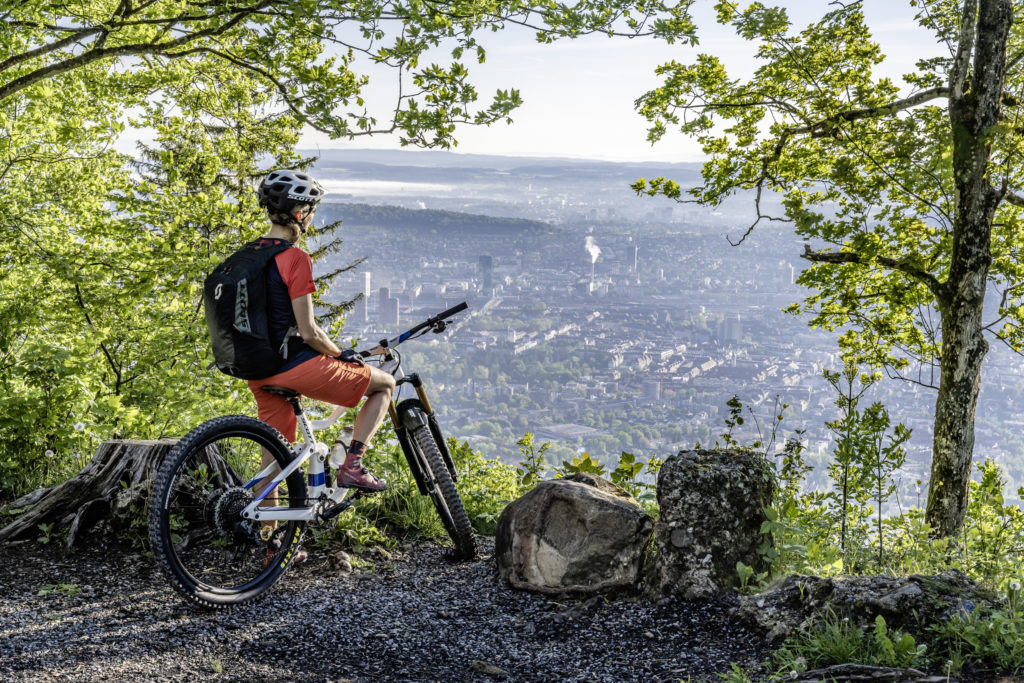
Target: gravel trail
(413, 616)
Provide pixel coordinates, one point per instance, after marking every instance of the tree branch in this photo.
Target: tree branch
(965, 46)
(75, 37)
(135, 49)
(893, 373)
(903, 266)
(110, 359)
(1013, 198)
(760, 216)
(826, 126)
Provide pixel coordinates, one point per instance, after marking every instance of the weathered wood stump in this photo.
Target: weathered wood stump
(118, 478)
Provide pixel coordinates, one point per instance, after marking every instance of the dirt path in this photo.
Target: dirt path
(412, 617)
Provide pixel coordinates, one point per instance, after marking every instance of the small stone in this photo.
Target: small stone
(483, 667)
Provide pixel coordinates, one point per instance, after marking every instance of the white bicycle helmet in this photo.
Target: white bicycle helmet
(283, 189)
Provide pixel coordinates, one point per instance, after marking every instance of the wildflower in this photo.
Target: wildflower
(1015, 586)
(48, 453)
(79, 426)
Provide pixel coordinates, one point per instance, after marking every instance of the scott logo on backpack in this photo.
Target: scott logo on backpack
(235, 299)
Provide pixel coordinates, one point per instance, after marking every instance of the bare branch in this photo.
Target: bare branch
(1013, 198)
(1004, 340)
(893, 373)
(760, 216)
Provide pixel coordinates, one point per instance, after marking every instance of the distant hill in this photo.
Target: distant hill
(369, 216)
(434, 166)
(442, 159)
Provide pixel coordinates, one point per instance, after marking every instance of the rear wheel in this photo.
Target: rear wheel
(208, 551)
(446, 498)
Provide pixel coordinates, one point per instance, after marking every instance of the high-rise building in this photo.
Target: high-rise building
(732, 331)
(486, 268)
(389, 311)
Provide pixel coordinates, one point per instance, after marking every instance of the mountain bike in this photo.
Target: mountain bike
(224, 529)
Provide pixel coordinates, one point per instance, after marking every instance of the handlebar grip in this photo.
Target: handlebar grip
(457, 308)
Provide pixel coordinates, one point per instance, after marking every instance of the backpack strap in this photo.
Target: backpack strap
(292, 332)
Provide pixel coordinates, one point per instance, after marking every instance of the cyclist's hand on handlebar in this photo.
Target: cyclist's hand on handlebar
(350, 356)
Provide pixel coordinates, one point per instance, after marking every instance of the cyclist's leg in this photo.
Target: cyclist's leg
(278, 413)
(378, 397)
(344, 384)
(378, 387)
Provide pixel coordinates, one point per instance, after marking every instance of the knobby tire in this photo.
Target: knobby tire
(445, 496)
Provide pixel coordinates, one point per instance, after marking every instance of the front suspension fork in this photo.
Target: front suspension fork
(421, 404)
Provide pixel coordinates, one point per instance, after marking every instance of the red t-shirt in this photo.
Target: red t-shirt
(296, 270)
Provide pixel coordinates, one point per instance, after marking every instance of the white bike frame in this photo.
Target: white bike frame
(316, 480)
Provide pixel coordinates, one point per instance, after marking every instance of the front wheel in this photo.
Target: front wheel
(446, 498)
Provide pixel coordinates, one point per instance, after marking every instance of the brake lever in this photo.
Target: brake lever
(439, 327)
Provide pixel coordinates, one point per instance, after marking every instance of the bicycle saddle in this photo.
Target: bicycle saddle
(281, 391)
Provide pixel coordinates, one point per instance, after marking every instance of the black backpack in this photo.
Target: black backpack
(235, 299)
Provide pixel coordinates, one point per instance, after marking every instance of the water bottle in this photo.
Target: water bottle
(340, 450)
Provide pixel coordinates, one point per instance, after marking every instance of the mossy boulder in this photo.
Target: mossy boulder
(711, 508)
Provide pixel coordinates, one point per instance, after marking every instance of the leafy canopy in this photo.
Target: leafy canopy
(862, 166)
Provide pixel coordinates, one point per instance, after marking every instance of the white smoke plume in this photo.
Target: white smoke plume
(591, 246)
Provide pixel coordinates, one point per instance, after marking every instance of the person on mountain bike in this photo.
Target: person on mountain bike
(314, 365)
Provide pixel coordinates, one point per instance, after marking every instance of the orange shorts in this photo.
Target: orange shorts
(322, 378)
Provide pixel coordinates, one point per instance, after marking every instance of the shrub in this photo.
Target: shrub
(834, 640)
(989, 637)
(351, 531)
(401, 510)
(531, 467)
(486, 486)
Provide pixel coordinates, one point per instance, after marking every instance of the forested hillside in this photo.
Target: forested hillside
(369, 216)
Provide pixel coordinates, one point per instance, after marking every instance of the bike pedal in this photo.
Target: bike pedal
(335, 510)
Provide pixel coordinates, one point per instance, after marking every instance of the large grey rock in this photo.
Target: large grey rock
(581, 534)
(711, 507)
(905, 602)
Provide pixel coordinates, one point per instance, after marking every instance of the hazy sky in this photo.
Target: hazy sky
(578, 95)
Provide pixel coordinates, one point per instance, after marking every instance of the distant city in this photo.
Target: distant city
(601, 321)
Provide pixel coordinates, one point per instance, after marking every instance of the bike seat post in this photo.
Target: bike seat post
(296, 406)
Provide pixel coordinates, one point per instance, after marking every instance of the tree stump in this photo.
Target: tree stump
(118, 478)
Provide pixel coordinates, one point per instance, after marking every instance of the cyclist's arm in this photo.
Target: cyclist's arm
(311, 333)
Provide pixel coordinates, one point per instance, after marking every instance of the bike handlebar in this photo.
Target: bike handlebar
(429, 322)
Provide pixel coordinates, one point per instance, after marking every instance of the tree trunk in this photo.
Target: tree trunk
(115, 483)
(963, 348)
(974, 108)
